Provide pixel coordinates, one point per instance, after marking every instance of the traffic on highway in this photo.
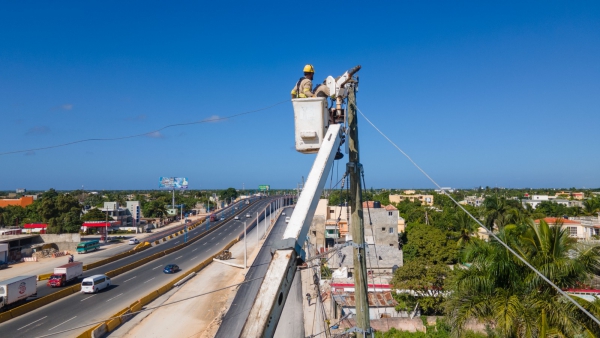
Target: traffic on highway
(88, 308)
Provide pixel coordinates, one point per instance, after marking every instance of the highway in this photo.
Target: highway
(292, 320)
(80, 309)
(44, 290)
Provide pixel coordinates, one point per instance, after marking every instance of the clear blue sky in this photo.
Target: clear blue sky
(478, 94)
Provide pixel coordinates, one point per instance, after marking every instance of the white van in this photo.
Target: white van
(94, 283)
(287, 219)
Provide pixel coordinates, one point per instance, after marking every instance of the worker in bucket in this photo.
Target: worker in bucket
(303, 87)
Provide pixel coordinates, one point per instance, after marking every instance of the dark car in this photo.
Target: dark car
(171, 268)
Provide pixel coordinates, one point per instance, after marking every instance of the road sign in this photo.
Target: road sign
(264, 187)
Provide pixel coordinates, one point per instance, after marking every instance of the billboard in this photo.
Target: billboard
(173, 183)
(264, 187)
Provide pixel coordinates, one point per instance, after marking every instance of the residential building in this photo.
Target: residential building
(381, 305)
(473, 200)
(424, 199)
(122, 216)
(20, 202)
(135, 209)
(574, 195)
(444, 189)
(576, 228)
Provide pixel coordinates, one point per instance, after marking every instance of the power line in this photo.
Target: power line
(148, 309)
(483, 226)
(208, 120)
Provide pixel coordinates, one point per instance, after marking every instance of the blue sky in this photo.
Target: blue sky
(503, 94)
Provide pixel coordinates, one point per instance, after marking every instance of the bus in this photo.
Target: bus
(88, 246)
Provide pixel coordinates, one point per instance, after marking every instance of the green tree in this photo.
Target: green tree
(427, 283)
(432, 244)
(499, 289)
(94, 215)
(228, 194)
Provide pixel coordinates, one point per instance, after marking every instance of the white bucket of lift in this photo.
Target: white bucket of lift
(310, 123)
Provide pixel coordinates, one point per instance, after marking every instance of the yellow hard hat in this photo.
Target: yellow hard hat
(309, 69)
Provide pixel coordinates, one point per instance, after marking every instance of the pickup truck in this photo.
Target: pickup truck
(65, 273)
(15, 290)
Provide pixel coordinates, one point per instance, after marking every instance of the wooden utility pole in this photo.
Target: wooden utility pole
(358, 230)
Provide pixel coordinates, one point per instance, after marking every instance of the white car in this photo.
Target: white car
(133, 241)
(247, 215)
(236, 217)
(94, 283)
(283, 213)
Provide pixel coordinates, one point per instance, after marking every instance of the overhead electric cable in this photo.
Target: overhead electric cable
(208, 120)
(483, 226)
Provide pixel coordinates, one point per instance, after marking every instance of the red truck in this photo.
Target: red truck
(65, 273)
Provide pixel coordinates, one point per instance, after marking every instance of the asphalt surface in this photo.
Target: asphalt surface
(44, 290)
(81, 309)
(236, 316)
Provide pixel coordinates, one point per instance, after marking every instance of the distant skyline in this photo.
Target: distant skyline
(504, 94)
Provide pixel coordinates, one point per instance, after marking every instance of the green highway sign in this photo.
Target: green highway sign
(264, 187)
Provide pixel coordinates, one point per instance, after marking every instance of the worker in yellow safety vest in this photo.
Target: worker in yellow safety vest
(303, 87)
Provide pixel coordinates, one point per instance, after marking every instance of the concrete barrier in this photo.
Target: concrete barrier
(148, 298)
(135, 307)
(99, 331)
(4, 316)
(112, 324)
(157, 242)
(45, 276)
(164, 239)
(87, 333)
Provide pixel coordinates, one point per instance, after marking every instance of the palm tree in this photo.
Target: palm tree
(592, 206)
(501, 290)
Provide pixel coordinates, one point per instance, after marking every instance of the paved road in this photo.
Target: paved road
(44, 290)
(234, 320)
(81, 309)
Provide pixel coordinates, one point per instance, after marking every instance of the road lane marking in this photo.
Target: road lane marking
(194, 249)
(204, 243)
(193, 258)
(115, 297)
(68, 320)
(32, 323)
(178, 257)
(156, 267)
(149, 280)
(176, 242)
(129, 279)
(87, 298)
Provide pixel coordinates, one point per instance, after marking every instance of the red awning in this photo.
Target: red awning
(96, 224)
(35, 225)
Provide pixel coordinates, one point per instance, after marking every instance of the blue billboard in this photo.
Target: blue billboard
(173, 183)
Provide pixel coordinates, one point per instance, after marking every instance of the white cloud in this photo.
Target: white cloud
(215, 118)
(67, 106)
(38, 130)
(155, 134)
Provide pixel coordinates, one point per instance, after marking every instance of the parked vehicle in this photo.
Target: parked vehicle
(65, 274)
(95, 283)
(133, 241)
(171, 268)
(15, 290)
(88, 246)
(148, 230)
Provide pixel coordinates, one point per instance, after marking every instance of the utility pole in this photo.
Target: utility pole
(245, 249)
(354, 169)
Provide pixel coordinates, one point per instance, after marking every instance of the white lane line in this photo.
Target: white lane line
(129, 279)
(193, 258)
(62, 323)
(156, 267)
(194, 249)
(87, 298)
(149, 280)
(204, 243)
(176, 242)
(32, 323)
(115, 297)
(178, 257)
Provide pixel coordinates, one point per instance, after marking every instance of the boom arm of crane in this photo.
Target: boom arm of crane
(266, 310)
